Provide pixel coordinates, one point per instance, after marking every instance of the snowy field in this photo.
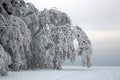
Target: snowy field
(68, 73)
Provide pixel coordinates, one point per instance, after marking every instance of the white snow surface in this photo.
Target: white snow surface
(67, 73)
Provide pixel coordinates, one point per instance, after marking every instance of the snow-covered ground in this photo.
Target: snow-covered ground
(68, 73)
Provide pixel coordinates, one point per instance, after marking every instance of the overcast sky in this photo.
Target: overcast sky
(100, 19)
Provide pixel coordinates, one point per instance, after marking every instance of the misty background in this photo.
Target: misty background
(100, 19)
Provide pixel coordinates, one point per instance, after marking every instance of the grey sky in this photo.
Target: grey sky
(100, 19)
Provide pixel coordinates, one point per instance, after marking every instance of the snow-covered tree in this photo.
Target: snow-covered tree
(84, 46)
(15, 38)
(5, 60)
(39, 39)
